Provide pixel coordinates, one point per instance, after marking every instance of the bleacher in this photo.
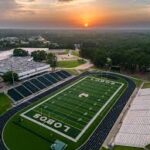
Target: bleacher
(50, 78)
(30, 86)
(14, 94)
(57, 77)
(36, 84)
(23, 91)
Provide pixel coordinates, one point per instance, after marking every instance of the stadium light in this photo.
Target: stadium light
(13, 80)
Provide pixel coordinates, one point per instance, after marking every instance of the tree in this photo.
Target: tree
(20, 53)
(52, 60)
(39, 55)
(10, 77)
(99, 58)
(126, 57)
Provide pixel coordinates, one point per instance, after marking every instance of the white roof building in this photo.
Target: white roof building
(23, 66)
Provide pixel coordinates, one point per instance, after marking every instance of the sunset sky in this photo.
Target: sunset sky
(74, 13)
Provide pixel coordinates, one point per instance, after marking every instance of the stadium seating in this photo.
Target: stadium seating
(65, 73)
(36, 84)
(50, 78)
(30, 86)
(14, 95)
(23, 91)
(61, 74)
(58, 78)
(45, 81)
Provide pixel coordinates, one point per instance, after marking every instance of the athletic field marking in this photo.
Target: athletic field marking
(88, 124)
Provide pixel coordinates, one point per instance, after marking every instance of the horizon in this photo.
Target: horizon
(74, 14)
(82, 28)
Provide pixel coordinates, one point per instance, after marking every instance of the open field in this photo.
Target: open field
(68, 115)
(75, 53)
(5, 103)
(70, 64)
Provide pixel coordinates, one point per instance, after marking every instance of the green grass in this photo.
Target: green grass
(5, 103)
(148, 147)
(70, 64)
(15, 132)
(75, 53)
(146, 85)
(126, 148)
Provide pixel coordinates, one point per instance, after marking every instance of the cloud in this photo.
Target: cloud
(65, 0)
(72, 12)
(8, 4)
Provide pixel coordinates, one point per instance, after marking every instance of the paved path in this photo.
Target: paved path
(85, 66)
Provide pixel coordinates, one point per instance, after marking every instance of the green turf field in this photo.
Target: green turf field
(71, 111)
(70, 114)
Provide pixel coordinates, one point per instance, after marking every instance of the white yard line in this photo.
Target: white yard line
(88, 124)
(60, 120)
(98, 113)
(54, 95)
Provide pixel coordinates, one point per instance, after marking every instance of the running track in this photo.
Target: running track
(98, 137)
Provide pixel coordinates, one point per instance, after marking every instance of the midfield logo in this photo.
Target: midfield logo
(51, 122)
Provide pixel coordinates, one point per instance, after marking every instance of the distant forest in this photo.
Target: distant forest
(128, 49)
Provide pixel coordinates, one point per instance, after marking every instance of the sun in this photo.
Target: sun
(86, 25)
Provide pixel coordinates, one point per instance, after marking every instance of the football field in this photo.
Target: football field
(71, 111)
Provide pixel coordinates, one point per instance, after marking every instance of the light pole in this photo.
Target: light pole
(13, 80)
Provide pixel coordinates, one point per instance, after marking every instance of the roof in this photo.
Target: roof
(58, 145)
(20, 64)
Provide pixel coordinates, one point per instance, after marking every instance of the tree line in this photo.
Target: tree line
(38, 56)
(125, 55)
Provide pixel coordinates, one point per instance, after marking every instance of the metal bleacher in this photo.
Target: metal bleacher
(61, 74)
(58, 78)
(36, 84)
(23, 91)
(45, 81)
(30, 86)
(50, 78)
(14, 95)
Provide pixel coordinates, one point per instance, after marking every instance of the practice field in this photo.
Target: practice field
(71, 112)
